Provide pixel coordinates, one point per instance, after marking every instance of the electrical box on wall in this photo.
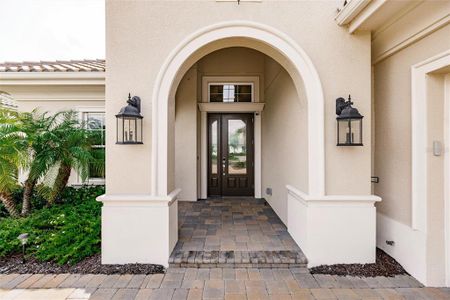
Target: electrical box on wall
(437, 148)
(269, 191)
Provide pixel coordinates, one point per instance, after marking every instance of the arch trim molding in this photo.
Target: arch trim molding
(274, 38)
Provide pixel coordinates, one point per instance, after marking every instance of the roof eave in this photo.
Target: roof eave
(350, 11)
(52, 78)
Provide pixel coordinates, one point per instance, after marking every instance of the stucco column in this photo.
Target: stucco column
(138, 228)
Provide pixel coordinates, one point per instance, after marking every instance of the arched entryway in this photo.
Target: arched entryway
(264, 39)
(316, 221)
(235, 33)
(240, 138)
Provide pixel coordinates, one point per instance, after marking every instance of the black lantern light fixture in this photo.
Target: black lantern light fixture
(349, 123)
(129, 122)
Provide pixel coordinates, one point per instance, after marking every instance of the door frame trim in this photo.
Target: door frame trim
(223, 136)
(419, 165)
(204, 130)
(204, 154)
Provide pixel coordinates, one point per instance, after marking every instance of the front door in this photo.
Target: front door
(230, 155)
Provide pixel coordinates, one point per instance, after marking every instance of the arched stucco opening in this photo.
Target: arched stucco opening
(244, 34)
(317, 222)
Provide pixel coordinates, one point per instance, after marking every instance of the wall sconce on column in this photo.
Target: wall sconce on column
(349, 123)
(129, 122)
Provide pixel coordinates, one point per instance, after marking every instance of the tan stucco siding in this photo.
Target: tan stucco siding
(141, 34)
(284, 138)
(229, 62)
(392, 93)
(186, 151)
(53, 98)
(55, 106)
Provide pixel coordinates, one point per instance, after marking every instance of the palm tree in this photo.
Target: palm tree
(12, 156)
(42, 143)
(74, 151)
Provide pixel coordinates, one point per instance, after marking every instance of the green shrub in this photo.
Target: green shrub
(37, 201)
(63, 233)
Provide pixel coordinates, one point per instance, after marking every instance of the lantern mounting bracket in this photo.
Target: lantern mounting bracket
(135, 101)
(341, 103)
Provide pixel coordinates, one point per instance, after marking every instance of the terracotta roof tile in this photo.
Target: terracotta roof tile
(87, 65)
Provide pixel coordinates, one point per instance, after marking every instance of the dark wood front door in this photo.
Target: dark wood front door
(230, 155)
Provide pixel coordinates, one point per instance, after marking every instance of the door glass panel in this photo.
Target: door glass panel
(214, 145)
(237, 147)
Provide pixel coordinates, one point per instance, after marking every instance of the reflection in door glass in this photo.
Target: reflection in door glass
(237, 148)
(213, 150)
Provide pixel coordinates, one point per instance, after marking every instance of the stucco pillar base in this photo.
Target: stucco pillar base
(333, 229)
(139, 228)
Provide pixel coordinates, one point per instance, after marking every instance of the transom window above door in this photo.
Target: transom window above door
(230, 92)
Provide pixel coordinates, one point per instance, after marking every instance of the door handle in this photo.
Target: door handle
(224, 160)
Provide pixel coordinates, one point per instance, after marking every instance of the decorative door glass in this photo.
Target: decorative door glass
(237, 147)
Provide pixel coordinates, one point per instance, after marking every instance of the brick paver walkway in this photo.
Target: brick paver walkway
(179, 283)
(243, 231)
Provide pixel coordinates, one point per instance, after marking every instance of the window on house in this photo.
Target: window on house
(96, 121)
(230, 92)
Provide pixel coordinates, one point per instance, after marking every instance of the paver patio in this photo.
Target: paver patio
(234, 234)
(240, 231)
(181, 283)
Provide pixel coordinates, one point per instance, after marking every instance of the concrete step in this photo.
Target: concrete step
(237, 259)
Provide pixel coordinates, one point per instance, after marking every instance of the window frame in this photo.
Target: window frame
(240, 83)
(207, 81)
(83, 111)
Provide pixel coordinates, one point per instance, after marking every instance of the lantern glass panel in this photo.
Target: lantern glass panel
(120, 133)
(343, 131)
(350, 132)
(139, 130)
(129, 129)
(356, 129)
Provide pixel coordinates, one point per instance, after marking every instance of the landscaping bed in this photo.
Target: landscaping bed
(90, 265)
(384, 266)
(62, 238)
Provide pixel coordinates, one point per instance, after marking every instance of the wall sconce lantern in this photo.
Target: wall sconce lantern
(129, 122)
(349, 123)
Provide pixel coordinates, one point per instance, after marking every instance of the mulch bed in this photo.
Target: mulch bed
(90, 265)
(384, 266)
